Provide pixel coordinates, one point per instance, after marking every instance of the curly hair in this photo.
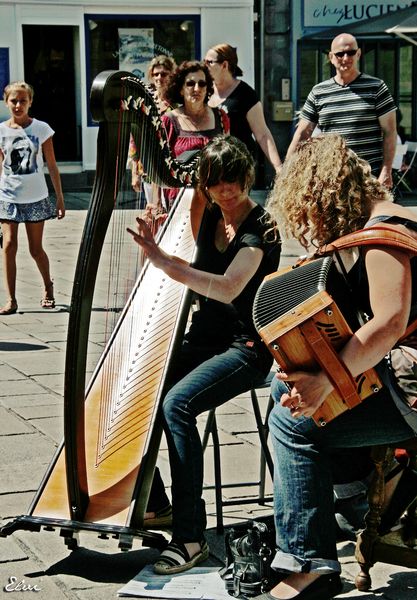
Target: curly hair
(324, 191)
(225, 158)
(177, 79)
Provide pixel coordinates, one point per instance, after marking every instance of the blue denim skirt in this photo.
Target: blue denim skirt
(32, 212)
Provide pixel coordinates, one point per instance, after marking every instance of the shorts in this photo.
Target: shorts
(32, 212)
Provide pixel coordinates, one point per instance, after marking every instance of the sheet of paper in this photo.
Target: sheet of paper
(198, 583)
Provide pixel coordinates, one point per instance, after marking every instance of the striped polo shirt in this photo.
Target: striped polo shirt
(352, 110)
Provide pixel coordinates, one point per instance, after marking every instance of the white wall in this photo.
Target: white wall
(234, 27)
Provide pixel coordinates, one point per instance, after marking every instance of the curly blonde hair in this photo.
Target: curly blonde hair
(324, 191)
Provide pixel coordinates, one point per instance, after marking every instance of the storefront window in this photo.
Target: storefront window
(386, 59)
(315, 66)
(406, 89)
(129, 42)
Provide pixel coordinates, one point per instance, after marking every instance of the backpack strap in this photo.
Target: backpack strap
(377, 235)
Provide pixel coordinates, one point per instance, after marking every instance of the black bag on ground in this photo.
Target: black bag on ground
(250, 550)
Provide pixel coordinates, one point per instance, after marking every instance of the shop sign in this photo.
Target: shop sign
(333, 13)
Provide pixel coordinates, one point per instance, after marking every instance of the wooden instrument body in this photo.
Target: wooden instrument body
(100, 477)
(304, 328)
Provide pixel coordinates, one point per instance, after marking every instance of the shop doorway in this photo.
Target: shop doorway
(50, 65)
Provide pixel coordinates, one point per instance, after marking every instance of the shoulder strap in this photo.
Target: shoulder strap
(377, 235)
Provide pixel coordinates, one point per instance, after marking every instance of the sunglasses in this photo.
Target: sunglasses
(191, 83)
(161, 74)
(347, 52)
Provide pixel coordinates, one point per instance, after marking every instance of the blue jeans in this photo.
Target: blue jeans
(215, 380)
(303, 483)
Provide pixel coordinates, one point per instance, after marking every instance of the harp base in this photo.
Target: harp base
(69, 530)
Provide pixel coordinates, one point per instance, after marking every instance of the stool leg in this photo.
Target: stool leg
(217, 477)
(208, 428)
(365, 543)
(211, 429)
(263, 431)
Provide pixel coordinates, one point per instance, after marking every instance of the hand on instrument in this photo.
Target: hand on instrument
(144, 237)
(308, 392)
(155, 215)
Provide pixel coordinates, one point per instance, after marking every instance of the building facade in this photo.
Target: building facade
(282, 47)
(61, 47)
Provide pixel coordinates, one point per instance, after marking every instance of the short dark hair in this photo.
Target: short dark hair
(173, 93)
(226, 158)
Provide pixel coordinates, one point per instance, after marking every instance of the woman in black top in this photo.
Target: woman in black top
(240, 102)
(222, 355)
(326, 191)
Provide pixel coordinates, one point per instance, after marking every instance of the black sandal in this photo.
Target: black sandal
(175, 558)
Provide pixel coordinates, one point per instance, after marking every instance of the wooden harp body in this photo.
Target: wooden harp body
(100, 478)
(304, 315)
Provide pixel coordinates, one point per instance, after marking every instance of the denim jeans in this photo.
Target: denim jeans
(215, 380)
(303, 483)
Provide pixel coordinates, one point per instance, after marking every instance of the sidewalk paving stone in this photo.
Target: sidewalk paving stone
(32, 355)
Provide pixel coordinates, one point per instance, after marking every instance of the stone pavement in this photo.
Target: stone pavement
(32, 352)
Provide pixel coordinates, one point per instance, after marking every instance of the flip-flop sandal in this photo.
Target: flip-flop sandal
(48, 301)
(175, 558)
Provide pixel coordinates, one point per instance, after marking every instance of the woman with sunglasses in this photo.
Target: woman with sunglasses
(241, 102)
(221, 355)
(193, 123)
(159, 70)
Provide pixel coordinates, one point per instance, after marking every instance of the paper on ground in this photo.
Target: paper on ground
(198, 583)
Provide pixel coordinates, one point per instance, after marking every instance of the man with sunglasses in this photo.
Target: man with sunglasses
(355, 105)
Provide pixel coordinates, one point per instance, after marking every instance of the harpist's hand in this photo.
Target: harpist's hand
(308, 392)
(144, 237)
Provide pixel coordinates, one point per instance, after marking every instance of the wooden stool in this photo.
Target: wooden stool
(396, 547)
(265, 458)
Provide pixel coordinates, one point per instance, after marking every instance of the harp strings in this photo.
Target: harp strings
(124, 409)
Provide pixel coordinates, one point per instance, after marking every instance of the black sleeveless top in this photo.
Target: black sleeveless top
(358, 278)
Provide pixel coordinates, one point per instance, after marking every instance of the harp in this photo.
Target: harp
(100, 477)
(304, 316)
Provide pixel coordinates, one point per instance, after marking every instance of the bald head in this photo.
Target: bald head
(344, 39)
(345, 56)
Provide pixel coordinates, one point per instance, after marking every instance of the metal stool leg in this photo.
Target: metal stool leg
(211, 429)
(265, 457)
(263, 429)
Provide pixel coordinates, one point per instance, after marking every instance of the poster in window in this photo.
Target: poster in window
(136, 50)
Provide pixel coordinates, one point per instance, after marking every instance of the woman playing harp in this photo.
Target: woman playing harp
(222, 355)
(325, 191)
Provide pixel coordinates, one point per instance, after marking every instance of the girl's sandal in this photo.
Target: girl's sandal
(48, 301)
(10, 308)
(175, 558)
